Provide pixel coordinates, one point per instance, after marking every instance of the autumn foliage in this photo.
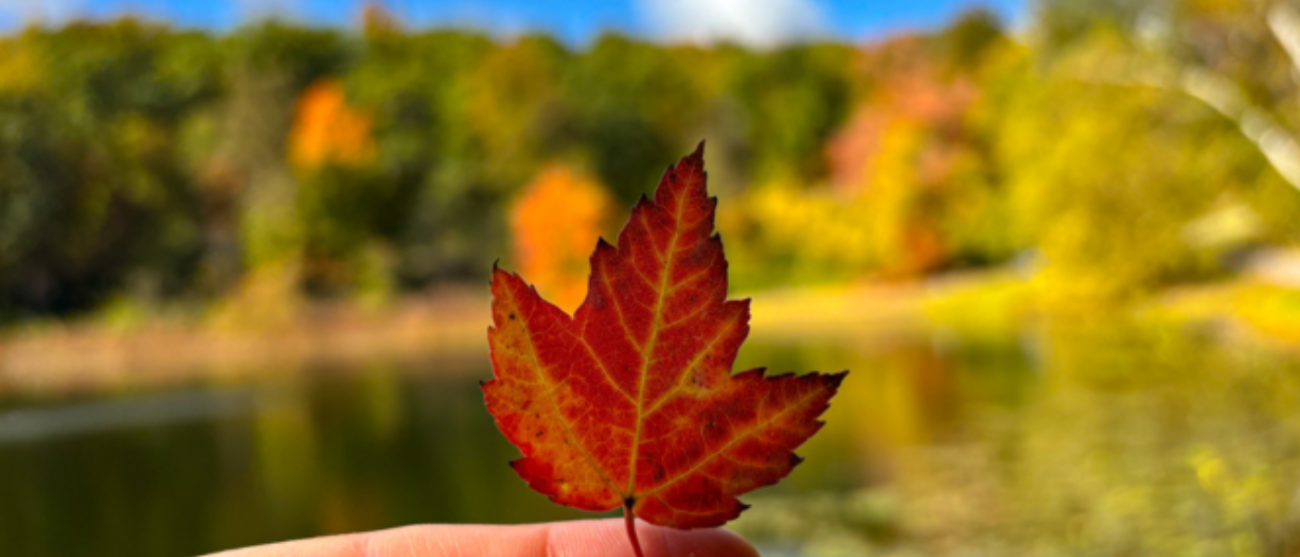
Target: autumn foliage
(631, 401)
(142, 160)
(554, 222)
(328, 131)
(903, 151)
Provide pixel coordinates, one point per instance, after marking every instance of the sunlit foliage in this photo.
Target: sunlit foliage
(1113, 148)
(555, 223)
(908, 187)
(328, 131)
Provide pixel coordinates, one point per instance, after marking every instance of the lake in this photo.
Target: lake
(1086, 441)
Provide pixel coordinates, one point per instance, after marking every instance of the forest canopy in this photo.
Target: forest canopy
(1112, 147)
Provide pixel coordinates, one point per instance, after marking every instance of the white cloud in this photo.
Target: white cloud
(759, 23)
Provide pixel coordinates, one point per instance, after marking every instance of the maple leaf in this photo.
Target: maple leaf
(631, 401)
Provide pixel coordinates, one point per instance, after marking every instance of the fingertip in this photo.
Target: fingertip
(706, 542)
(605, 538)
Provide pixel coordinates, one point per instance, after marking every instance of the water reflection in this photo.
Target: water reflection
(1092, 442)
(1105, 443)
(336, 453)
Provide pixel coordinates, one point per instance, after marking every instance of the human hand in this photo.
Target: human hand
(588, 538)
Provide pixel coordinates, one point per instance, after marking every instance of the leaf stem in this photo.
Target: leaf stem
(630, 520)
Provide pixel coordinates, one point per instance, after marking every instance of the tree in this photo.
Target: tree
(555, 223)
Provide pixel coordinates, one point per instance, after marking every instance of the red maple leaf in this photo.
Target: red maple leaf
(631, 401)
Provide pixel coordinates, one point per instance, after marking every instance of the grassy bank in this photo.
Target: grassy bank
(110, 352)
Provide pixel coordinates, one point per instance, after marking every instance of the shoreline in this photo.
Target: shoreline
(82, 356)
(451, 324)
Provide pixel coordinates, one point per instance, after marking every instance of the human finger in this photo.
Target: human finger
(591, 538)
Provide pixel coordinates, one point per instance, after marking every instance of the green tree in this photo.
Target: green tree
(96, 199)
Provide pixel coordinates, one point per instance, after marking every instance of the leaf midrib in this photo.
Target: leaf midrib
(635, 452)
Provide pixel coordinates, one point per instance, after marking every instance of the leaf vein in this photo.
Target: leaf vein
(550, 396)
(736, 439)
(681, 381)
(648, 352)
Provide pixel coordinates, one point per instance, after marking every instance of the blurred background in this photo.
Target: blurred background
(244, 251)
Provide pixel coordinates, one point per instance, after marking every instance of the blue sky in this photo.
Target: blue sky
(751, 21)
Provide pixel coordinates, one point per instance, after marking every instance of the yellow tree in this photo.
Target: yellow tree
(906, 152)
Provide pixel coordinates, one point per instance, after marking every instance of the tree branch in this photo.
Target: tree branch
(1275, 142)
(1284, 21)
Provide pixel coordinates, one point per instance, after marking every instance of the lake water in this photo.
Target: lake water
(1092, 442)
